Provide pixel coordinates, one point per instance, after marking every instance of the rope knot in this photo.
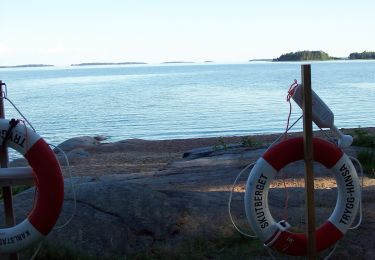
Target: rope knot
(291, 90)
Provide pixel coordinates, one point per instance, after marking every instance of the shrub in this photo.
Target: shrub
(247, 141)
(367, 159)
(222, 145)
(363, 138)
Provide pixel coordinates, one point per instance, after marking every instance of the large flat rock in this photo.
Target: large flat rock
(125, 207)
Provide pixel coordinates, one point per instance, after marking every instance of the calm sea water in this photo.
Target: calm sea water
(182, 101)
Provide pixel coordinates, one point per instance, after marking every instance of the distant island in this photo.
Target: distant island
(321, 56)
(366, 55)
(305, 55)
(27, 66)
(106, 63)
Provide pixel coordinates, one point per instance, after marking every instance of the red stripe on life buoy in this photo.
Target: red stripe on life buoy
(49, 184)
(291, 150)
(327, 235)
(326, 153)
(296, 243)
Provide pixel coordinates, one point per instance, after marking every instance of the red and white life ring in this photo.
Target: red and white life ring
(275, 234)
(49, 184)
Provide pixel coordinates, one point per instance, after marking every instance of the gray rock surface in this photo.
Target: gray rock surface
(124, 214)
(82, 142)
(117, 217)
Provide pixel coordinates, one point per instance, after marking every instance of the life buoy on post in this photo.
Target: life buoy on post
(49, 184)
(275, 234)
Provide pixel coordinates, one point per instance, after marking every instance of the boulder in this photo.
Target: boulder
(82, 142)
(100, 138)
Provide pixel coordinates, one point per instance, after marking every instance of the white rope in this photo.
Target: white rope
(332, 251)
(239, 175)
(330, 138)
(19, 112)
(269, 252)
(74, 201)
(72, 187)
(230, 202)
(37, 250)
(361, 189)
(361, 186)
(252, 164)
(283, 134)
(3, 95)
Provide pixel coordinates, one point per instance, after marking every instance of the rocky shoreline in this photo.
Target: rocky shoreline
(149, 198)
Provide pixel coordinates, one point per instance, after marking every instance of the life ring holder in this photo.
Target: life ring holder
(275, 234)
(49, 184)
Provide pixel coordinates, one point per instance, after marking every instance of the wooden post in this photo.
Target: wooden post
(7, 190)
(309, 157)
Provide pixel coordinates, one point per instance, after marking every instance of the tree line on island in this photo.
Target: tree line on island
(291, 56)
(367, 55)
(321, 55)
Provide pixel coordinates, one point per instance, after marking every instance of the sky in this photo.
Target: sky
(63, 32)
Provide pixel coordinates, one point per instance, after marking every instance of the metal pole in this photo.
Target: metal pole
(308, 156)
(7, 190)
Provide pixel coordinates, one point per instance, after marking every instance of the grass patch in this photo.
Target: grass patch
(247, 141)
(367, 159)
(222, 145)
(363, 138)
(235, 247)
(48, 251)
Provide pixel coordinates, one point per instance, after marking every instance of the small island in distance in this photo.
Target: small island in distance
(106, 63)
(27, 66)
